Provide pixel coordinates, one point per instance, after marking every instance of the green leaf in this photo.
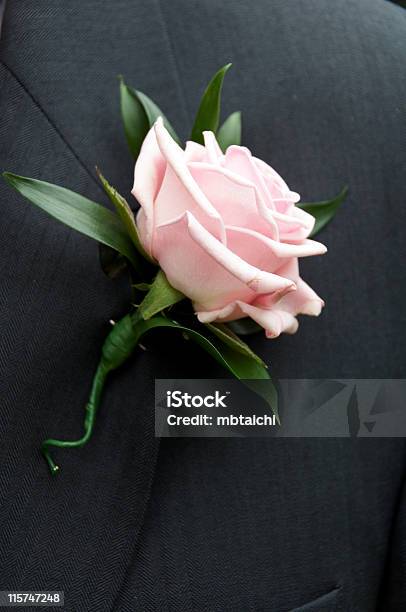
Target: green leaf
(136, 124)
(76, 211)
(153, 112)
(126, 215)
(232, 340)
(142, 286)
(160, 295)
(139, 114)
(112, 263)
(230, 132)
(324, 211)
(208, 115)
(244, 327)
(242, 367)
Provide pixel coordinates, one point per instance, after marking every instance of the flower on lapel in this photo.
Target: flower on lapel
(216, 226)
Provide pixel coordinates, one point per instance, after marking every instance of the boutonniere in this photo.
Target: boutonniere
(213, 251)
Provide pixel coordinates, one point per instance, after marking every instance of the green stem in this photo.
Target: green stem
(117, 348)
(90, 417)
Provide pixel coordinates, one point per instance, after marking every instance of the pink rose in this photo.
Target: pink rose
(225, 230)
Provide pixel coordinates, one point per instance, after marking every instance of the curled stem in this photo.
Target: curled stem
(117, 348)
(90, 417)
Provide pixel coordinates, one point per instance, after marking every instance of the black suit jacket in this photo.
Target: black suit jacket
(132, 525)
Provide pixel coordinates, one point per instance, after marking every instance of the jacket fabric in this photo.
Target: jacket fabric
(132, 524)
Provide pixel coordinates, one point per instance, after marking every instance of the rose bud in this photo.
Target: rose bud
(225, 230)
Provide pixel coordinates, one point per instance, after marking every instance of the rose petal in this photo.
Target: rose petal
(266, 253)
(258, 280)
(173, 200)
(275, 183)
(194, 151)
(234, 197)
(148, 176)
(304, 301)
(240, 161)
(182, 193)
(274, 313)
(294, 223)
(296, 226)
(203, 268)
(214, 153)
(273, 321)
(230, 312)
(143, 230)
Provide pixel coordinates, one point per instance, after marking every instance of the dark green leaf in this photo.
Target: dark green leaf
(324, 211)
(231, 339)
(136, 124)
(77, 212)
(153, 112)
(125, 213)
(244, 327)
(111, 262)
(160, 295)
(242, 367)
(230, 132)
(208, 115)
(139, 114)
